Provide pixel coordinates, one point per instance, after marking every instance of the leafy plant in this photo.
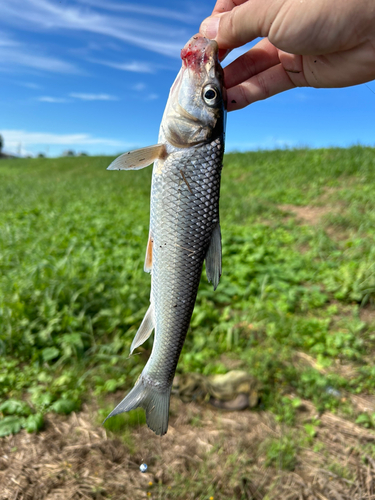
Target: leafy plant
(73, 293)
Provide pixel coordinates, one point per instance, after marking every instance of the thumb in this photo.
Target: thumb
(243, 23)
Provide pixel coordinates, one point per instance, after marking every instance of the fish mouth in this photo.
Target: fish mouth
(199, 52)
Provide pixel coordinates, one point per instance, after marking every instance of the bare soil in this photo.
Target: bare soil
(314, 216)
(74, 458)
(308, 214)
(367, 314)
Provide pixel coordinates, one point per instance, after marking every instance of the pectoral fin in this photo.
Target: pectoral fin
(144, 331)
(148, 260)
(140, 158)
(213, 257)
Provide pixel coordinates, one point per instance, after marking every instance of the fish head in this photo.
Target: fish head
(196, 107)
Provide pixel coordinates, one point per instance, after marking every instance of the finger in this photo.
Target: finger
(341, 69)
(261, 86)
(226, 5)
(243, 23)
(259, 58)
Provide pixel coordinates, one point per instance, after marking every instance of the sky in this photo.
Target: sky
(94, 75)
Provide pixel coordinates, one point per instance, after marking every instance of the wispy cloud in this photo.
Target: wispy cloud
(47, 98)
(30, 85)
(14, 55)
(79, 95)
(6, 41)
(152, 97)
(139, 86)
(12, 139)
(133, 67)
(93, 97)
(177, 15)
(143, 92)
(46, 15)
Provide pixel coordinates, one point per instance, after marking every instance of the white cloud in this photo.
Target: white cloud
(47, 98)
(145, 95)
(134, 67)
(15, 56)
(44, 14)
(79, 95)
(6, 41)
(30, 85)
(93, 97)
(192, 17)
(139, 87)
(12, 139)
(152, 97)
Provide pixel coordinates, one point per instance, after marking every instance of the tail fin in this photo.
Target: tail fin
(154, 401)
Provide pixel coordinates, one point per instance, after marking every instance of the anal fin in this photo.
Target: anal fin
(145, 330)
(139, 158)
(213, 257)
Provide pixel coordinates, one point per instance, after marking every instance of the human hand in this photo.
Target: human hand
(306, 43)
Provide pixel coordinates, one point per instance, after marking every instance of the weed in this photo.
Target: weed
(281, 453)
(73, 293)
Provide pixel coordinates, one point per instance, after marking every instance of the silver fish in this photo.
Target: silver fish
(184, 225)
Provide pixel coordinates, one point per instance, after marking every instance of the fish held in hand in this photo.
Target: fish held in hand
(184, 220)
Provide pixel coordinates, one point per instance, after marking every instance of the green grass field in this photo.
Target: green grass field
(294, 308)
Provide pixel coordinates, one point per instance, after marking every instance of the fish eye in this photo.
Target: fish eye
(210, 95)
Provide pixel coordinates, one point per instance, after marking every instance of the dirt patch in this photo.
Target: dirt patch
(74, 459)
(308, 214)
(367, 314)
(329, 192)
(345, 370)
(314, 217)
(363, 404)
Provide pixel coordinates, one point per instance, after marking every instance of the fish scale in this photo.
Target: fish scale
(184, 220)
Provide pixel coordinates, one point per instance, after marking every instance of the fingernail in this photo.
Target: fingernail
(210, 27)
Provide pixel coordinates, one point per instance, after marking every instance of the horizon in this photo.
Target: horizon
(82, 154)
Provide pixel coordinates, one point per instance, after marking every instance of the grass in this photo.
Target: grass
(73, 290)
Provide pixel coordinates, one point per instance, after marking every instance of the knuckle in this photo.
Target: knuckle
(244, 98)
(262, 86)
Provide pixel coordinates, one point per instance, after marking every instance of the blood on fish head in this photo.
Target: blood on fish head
(198, 52)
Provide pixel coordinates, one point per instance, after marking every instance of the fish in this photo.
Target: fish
(184, 220)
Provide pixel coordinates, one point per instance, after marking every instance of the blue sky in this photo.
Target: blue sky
(94, 76)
